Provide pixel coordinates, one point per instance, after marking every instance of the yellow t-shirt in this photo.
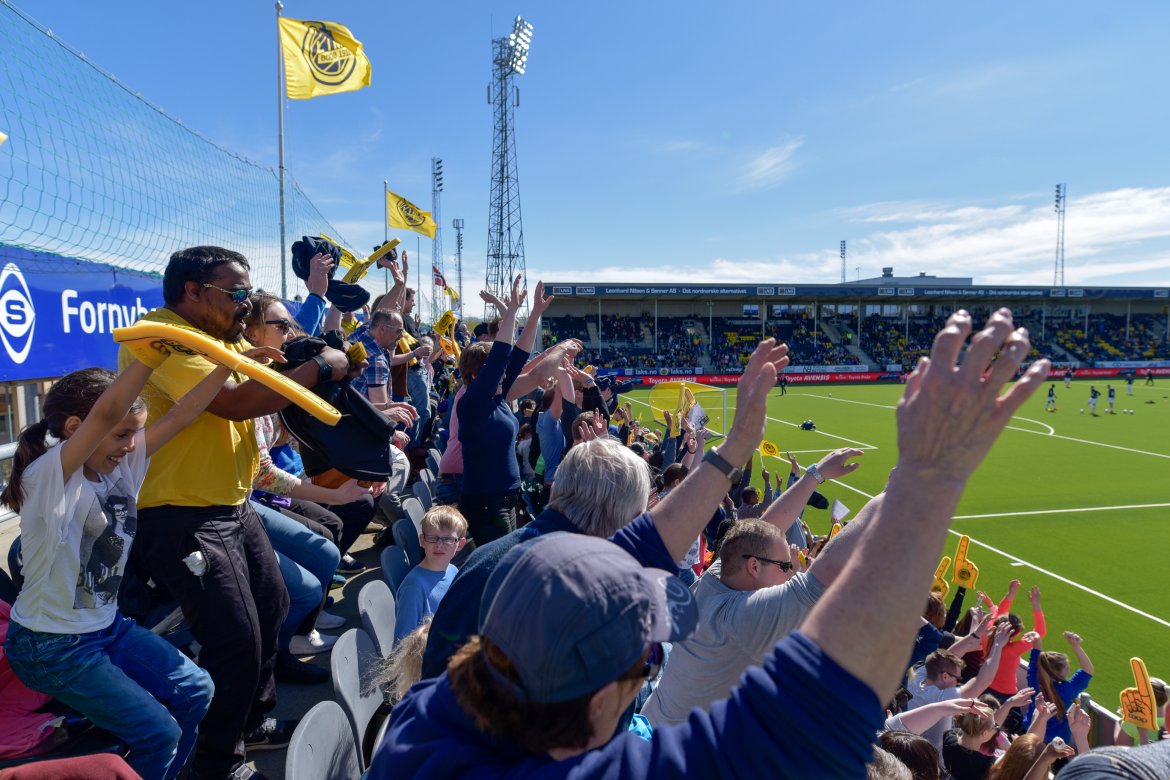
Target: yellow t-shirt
(212, 461)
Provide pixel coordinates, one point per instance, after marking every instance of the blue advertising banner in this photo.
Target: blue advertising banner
(850, 293)
(56, 314)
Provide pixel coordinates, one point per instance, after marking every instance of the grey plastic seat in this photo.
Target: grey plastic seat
(394, 567)
(377, 608)
(423, 493)
(352, 663)
(405, 533)
(323, 747)
(433, 459)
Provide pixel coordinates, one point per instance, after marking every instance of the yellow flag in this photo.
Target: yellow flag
(3, 138)
(454, 295)
(401, 213)
(446, 322)
(769, 450)
(321, 58)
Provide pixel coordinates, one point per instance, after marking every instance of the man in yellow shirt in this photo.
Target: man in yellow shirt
(197, 534)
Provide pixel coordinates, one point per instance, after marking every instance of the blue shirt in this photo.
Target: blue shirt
(457, 619)
(418, 596)
(800, 715)
(552, 443)
(1068, 690)
(487, 427)
(377, 373)
(311, 315)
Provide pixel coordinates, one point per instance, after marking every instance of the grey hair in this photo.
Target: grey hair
(600, 487)
(886, 766)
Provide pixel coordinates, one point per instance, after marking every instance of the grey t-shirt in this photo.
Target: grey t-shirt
(1148, 762)
(736, 629)
(922, 694)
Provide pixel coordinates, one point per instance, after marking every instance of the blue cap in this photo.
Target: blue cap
(574, 613)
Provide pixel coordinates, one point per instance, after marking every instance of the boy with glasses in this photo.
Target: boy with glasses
(444, 532)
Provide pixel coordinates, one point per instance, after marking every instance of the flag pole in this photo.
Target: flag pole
(417, 275)
(385, 229)
(280, 89)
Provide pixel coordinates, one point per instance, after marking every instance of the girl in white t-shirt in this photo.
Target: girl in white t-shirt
(78, 517)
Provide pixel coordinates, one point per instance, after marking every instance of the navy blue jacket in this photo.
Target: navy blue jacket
(487, 427)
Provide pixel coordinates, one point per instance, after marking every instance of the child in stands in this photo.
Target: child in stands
(78, 506)
(444, 532)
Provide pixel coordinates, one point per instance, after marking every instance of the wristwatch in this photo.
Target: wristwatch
(718, 461)
(816, 473)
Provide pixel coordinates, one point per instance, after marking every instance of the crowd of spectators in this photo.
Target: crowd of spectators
(1106, 338)
(597, 597)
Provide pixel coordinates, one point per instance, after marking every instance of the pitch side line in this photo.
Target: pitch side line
(1053, 575)
(1062, 511)
(1012, 428)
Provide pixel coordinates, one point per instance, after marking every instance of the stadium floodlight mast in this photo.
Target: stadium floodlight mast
(437, 244)
(1060, 200)
(458, 225)
(505, 249)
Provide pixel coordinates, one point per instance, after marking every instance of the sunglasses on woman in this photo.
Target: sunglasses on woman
(284, 325)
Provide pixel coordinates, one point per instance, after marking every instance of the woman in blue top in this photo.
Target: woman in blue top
(487, 427)
(1048, 674)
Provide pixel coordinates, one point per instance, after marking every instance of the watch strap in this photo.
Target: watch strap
(324, 370)
(816, 473)
(721, 463)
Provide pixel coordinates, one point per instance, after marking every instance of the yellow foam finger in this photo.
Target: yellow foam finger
(966, 572)
(940, 585)
(150, 339)
(1137, 703)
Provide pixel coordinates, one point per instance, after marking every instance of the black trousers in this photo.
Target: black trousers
(235, 609)
(355, 516)
(489, 515)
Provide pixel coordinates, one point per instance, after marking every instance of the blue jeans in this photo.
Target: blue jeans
(307, 562)
(124, 679)
(420, 399)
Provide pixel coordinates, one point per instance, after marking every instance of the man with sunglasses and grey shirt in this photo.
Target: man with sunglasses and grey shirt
(754, 595)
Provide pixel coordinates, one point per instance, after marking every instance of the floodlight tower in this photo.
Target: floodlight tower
(842, 261)
(458, 225)
(1061, 198)
(437, 244)
(505, 250)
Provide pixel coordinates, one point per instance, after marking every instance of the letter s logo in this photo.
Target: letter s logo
(17, 315)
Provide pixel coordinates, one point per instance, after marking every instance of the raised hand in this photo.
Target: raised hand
(1079, 723)
(319, 267)
(539, 302)
(1073, 639)
(747, 430)
(1034, 597)
(836, 464)
(1020, 698)
(951, 414)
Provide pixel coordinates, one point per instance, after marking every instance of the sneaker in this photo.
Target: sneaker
(327, 621)
(338, 582)
(271, 734)
(350, 566)
(289, 670)
(311, 643)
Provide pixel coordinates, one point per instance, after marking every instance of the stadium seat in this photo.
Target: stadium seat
(376, 606)
(433, 458)
(427, 476)
(423, 493)
(406, 534)
(322, 747)
(7, 588)
(394, 567)
(352, 662)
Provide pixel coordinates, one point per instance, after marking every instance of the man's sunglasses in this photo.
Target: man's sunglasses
(237, 296)
(784, 565)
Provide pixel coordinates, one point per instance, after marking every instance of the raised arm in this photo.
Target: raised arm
(978, 684)
(110, 408)
(538, 369)
(948, 419)
(681, 516)
(1082, 656)
(539, 304)
(921, 718)
(791, 503)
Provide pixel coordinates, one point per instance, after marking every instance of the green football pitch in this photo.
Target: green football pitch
(1076, 504)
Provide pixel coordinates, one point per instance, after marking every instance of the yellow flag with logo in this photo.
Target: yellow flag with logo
(769, 450)
(3, 138)
(401, 213)
(321, 58)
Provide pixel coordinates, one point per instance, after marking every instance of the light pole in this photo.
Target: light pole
(458, 225)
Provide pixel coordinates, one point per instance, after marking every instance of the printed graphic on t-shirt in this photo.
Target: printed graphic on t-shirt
(105, 542)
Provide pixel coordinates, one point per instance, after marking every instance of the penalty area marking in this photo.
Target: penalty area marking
(1062, 511)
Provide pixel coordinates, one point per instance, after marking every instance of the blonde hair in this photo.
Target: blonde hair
(443, 517)
(403, 667)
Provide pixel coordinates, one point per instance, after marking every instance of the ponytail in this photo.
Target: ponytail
(73, 395)
(31, 445)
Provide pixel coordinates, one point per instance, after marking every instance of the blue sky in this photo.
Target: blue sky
(738, 142)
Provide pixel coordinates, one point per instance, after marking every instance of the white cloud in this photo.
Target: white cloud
(1119, 237)
(771, 166)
